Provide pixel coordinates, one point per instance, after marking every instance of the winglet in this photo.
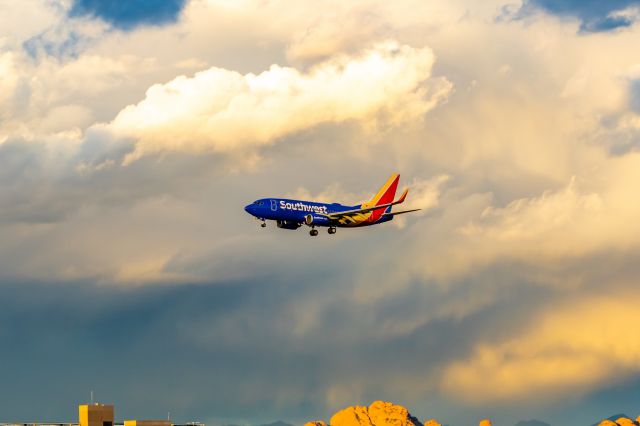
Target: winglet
(402, 197)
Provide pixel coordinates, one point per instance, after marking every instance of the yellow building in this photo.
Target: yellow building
(95, 415)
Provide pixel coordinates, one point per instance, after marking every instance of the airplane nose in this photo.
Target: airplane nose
(249, 208)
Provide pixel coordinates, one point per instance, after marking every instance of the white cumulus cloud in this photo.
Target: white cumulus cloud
(218, 110)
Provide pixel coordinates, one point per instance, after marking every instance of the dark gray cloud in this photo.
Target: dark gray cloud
(209, 351)
(234, 350)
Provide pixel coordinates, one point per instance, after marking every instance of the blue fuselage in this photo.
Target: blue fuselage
(296, 212)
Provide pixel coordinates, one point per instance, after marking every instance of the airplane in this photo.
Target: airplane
(292, 214)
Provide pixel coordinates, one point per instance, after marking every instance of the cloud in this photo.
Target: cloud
(326, 35)
(568, 348)
(219, 110)
(331, 194)
(569, 221)
(539, 219)
(425, 193)
(545, 232)
(8, 85)
(635, 96)
(42, 16)
(127, 15)
(36, 93)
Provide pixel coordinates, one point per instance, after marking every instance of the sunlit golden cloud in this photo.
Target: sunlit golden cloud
(569, 348)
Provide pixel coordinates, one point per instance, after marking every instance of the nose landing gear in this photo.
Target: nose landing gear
(263, 224)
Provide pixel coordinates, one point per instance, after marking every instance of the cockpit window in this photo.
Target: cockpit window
(259, 203)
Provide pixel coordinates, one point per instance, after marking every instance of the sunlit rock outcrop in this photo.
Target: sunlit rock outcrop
(382, 413)
(351, 416)
(379, 413)
(620, 421)
(625, 421)
(386, 413)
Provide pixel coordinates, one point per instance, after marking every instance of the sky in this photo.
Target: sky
(132, 134)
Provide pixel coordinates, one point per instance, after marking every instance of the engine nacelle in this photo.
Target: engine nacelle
(313, 219)
(286, 224)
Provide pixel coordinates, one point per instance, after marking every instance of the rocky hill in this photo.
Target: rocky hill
(382, 413)
(276, 423)
(378, 413)
(619, 420)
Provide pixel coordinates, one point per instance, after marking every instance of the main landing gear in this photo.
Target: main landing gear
(314, 231)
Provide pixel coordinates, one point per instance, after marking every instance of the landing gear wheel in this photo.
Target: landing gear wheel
(313, 232)
(331, 230)
(263, 224)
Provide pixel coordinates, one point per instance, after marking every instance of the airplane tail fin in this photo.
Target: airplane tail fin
(385, 195)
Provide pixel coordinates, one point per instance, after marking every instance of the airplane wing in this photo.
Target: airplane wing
(349, 213)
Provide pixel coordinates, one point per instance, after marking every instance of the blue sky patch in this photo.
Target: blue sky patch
(596, 15)
(128, 14)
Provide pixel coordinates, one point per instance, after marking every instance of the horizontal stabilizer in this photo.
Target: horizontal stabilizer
(402, 212)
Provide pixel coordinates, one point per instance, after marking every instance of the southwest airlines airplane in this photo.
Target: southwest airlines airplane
(292, 214)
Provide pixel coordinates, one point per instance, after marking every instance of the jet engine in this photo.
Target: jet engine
(312, 219)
